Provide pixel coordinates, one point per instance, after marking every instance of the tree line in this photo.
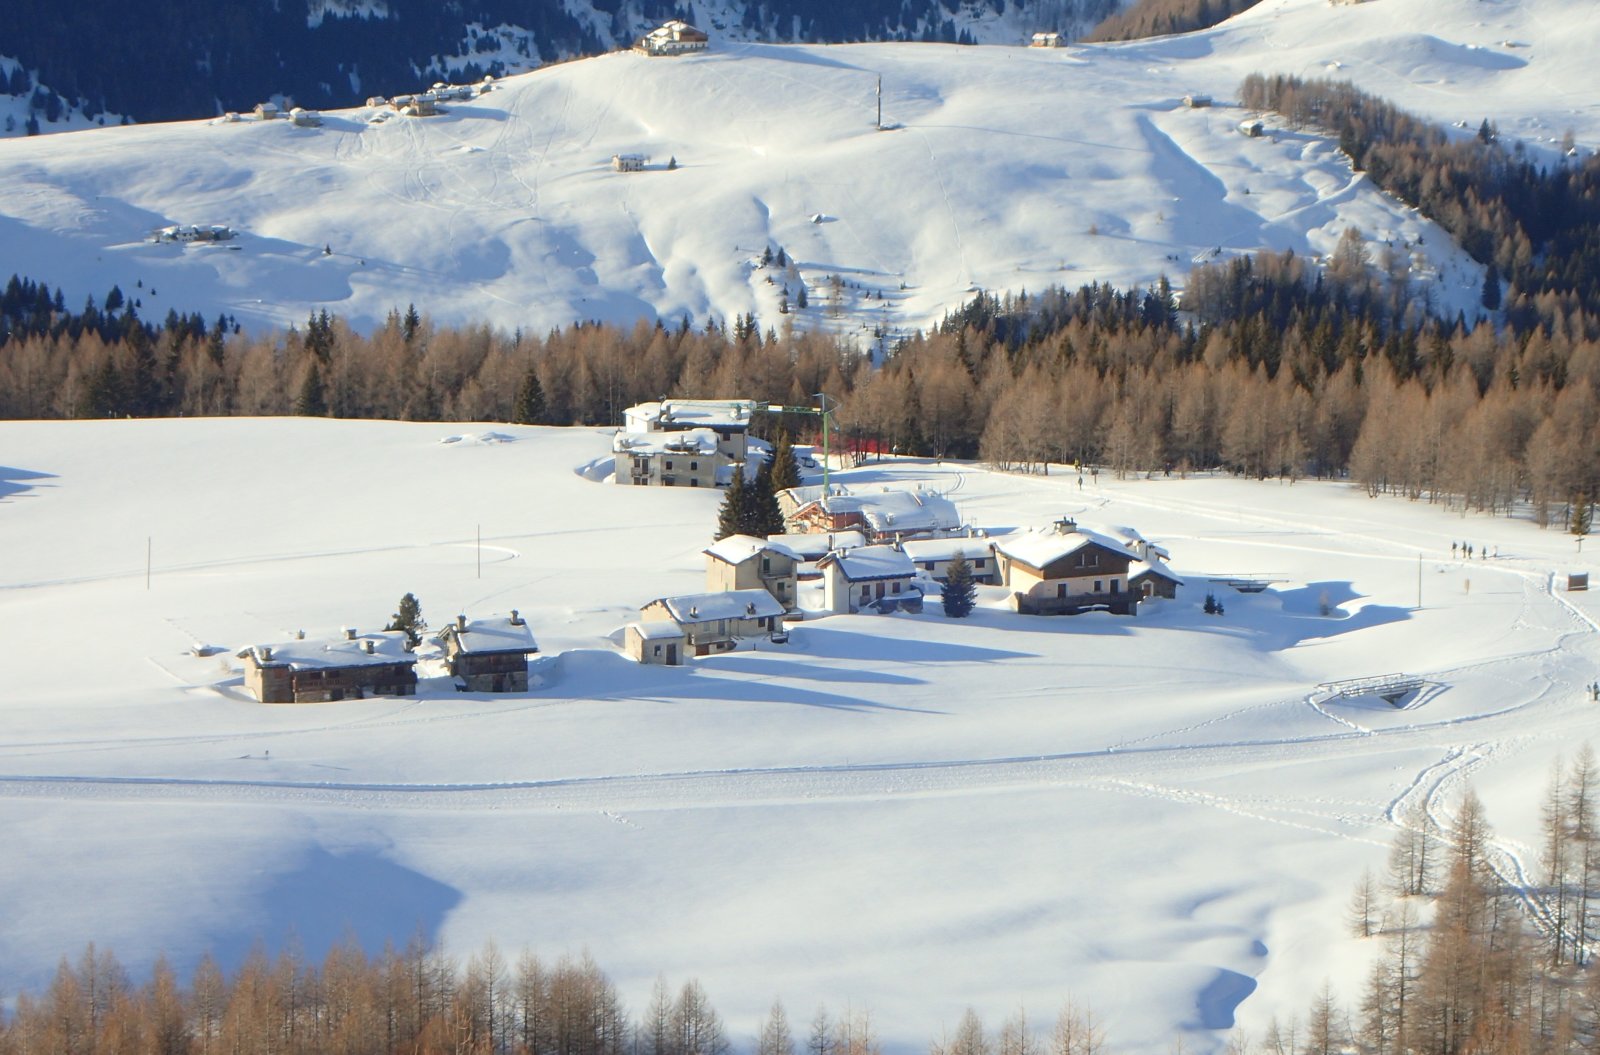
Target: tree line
(1471, 958)
(1153, 18)
(420, 1001)
(1535, 226)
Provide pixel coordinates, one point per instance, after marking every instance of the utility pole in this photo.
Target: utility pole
(823, 411)
(1419, 580)
(880, 102)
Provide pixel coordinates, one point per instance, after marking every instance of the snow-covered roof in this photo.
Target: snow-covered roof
(947, 548)
(804, 496)
(871, 562)
(1040, 547)
(673, 414)
(495, 633)
(754, 603)
(736, 549)
(814, 545)
(386, 646)
(690, 441)
(657, 629)
(1152, 567)
(888, 511)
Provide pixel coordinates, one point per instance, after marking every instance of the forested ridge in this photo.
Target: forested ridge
(1536, 225)
(1152, 18)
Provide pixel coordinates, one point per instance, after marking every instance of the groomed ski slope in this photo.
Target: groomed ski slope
(1160, 816)
(998, 165)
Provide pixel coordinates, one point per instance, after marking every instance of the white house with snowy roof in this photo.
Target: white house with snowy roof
(1064, 570)
(933, 556)
(683, 442)
(742, 562)
(715, 622)
(327, 670)
(676, 37)
(490, 653)
(871, 578)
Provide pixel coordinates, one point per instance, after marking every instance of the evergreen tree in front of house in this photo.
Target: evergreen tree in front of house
(409, 619)
(764, 518)
(734, 511)
(785, 470)
(529, 409)
(960, 592)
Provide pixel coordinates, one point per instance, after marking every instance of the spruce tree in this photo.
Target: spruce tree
(785, 470)
(409, 618)
(529, 409)
(312, 401)
(763, 517)
(1491, 288)
(732, 514)
(959, 590)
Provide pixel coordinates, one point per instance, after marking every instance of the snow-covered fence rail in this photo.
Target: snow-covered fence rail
(1388, 687)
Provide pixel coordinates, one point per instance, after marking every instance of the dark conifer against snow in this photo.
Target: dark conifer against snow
(959, 590)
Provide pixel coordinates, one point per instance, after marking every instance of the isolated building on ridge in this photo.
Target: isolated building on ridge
(672, 38)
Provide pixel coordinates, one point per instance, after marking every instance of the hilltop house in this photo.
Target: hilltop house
(489, 654)
(627, 162)
(880, 515)
(302, 118)
(1065, 570)
(683, 442)
(742, 562)
(268, 111)
(1045, 40)
(714, 622)
(672, 38)
(327, 671)
(878, 578)
(933, 556)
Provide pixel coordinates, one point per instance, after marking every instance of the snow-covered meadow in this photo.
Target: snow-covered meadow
(907, 813)
(1003, 169)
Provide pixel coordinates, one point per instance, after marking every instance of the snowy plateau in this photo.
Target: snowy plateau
(1003, 169)
(1161, 816)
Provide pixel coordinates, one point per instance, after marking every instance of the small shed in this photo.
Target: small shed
(1196, 101)
(1252, 127)
(656, 641)
(301, 118)
(1045, 40)
(627, 162)
(268, 111)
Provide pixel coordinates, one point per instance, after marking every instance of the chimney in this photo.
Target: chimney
(516, 620)
(750, 609)
(1066, 526)
(266, 653)
(461, 624)
(299, 635)
(368, 645)
(349, 633)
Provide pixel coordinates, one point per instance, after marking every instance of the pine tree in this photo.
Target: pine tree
(530, 400)
(763, 517)
(1582, 518)
(734, 511)
(785, 469)
(409, 618)
(312, 400)
(959, 590)
(1491, 288)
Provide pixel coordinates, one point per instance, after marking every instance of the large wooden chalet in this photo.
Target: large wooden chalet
(672, 38)
(1065, 570)
(882, 515)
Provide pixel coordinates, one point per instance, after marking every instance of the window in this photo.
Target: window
(1061, 590)
(981, 562)
(1086, 560)
(667, 481)
(658, 650)
(866, 592)
(1097, 586)
(766, 565)
(1116, 586)
(669, 465)
(694, 465)
(896, 587)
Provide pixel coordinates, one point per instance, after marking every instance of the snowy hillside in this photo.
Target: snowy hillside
(1004, 168)
(1160, 815)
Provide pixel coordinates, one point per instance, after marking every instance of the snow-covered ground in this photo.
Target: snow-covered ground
(1007, 168)
(908, 813)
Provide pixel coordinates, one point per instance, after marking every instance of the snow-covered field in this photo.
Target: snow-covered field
(907, 813)
(1000, 163)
